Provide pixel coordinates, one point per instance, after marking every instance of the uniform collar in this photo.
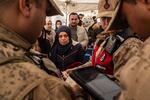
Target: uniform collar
(13, 38)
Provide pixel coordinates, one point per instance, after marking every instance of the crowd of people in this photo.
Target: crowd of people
(35, 62)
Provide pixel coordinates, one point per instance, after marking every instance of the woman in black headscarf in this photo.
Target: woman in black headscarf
(66, 53)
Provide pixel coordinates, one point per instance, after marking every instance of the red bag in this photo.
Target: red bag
(103, 54)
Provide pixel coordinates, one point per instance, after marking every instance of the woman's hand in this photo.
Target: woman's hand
(65, 75)
(68, 71)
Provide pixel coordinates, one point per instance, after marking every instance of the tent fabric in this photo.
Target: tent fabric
(82, 7)
(68, 6)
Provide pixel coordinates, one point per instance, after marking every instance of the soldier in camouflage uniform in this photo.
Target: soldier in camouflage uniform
(20, 78)
(133, 71)
(106, 9)
(105, 16)
(129, 46)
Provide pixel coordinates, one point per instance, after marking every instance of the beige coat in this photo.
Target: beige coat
(23, 80)
(81, 36)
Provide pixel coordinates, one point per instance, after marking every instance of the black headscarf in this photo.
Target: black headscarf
(59, 49)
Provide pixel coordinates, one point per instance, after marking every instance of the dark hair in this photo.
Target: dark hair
(81, 15)
(56, 24)
(73, 13)
(131, 1)
(7, 3)
(94, 18)
(58, 21)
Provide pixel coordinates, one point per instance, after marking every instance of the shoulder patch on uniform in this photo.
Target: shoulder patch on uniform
(103, 57)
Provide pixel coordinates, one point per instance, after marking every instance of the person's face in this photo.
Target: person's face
(80, 17)
(138, 17)
(58, 24)
(73, 20)
(49, 25)
(105, 22)
(37, 20)
(63, 38)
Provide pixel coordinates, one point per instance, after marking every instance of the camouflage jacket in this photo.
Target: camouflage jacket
(135, 75)
(23, 80)
(126, 50)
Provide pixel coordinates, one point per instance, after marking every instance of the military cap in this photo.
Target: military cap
(107, 8)
(115, 22)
